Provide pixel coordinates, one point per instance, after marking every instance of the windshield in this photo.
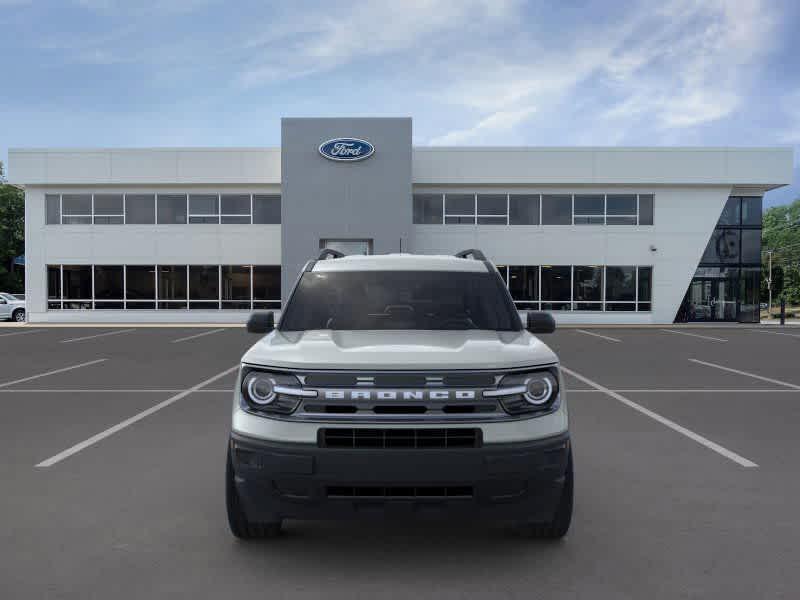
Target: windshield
(446, 300)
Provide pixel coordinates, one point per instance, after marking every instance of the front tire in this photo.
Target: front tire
(557, 528)
(240, 526)
(18, 315)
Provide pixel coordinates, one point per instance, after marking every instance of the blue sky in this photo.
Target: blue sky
(470, 72)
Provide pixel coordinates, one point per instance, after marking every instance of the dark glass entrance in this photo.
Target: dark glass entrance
(725, 286)
(712, 296)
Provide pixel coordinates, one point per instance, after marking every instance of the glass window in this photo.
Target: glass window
(523, 283)
(620, 306)
(386, 300)
(348, 247)
(76, 209)
(620, 285)
(236, 287)
(171, 209)
(646, 209)
(556, 284)
(751, 245)
(723, 247)
(523, 209)
(53, 282)
(731, 212)
(204, 286)
(750, 294)
(428, 209)
(235, 208)
(589, 209)
(587, 285)
(267, 209)
(621, 204)
(266, 286)
(108, 282)
(621, 209)
(53, 209)
(140, 283)
(203, 208)
(108, 209)
(172, 286)
(140, 209)
(556, 210)
(751, 211)
(459, 209)
(492, 209)
(645, 285)
(77, 282)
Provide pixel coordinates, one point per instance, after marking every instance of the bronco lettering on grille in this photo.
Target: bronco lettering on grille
(399, 394)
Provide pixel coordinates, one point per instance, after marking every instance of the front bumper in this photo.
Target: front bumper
(514, 481)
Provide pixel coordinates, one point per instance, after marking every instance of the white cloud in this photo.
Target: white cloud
(496, 122)
(681, 65)
(304, 45)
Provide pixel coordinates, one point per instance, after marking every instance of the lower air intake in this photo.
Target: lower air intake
(400, 438)
(375, 492)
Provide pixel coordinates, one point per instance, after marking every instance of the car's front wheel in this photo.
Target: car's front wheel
(18, 315)
(559, 525)
(240, 525)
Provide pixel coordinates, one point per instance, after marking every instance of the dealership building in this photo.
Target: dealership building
(596, 235)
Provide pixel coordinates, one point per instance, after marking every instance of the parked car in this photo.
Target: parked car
(400, 385)
(763, 306)
(12, 308)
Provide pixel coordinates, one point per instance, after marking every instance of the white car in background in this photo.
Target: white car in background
(12, 308)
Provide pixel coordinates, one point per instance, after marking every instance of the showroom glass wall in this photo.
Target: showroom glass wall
(580, 287)
(163, 287)
(726, 284)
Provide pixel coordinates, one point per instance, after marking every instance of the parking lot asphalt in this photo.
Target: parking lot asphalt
(686, 460)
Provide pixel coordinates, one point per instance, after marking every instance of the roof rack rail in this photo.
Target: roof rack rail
(327, 252)
(472, 252)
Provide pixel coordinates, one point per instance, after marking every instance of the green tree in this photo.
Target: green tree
(781, 235)
(12, 235)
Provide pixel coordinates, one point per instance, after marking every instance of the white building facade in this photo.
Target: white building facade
(596, 235)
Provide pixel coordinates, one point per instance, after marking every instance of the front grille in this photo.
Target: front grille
(400, 438)
(399, 380)
(405, 492)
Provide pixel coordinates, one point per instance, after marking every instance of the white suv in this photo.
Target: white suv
(399, 386)
(12, 308)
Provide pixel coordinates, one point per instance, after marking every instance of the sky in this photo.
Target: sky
(107, 73)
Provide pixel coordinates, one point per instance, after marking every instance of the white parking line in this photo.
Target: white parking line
(91, 337)
(697, 335)
(191, 337)
(775, 332)
(22, 332)
(134, 391)
(605, 337)
(746, 374)
(738, 459)
(683, 391)
(49, 462)
(54, 372)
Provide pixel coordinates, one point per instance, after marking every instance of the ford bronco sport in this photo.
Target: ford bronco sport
(399, 385)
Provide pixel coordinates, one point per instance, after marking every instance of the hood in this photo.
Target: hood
(401, 350)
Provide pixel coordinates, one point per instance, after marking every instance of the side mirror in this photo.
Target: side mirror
(261, 322)
(540, 322)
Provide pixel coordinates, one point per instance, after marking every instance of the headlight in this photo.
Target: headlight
(270, 392)
(521, 393)
(260, 388)
(539, 388)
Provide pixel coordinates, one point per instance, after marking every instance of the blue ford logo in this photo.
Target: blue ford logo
(346, 149)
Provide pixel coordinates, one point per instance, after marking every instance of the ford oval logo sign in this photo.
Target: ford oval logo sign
(351, 149)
